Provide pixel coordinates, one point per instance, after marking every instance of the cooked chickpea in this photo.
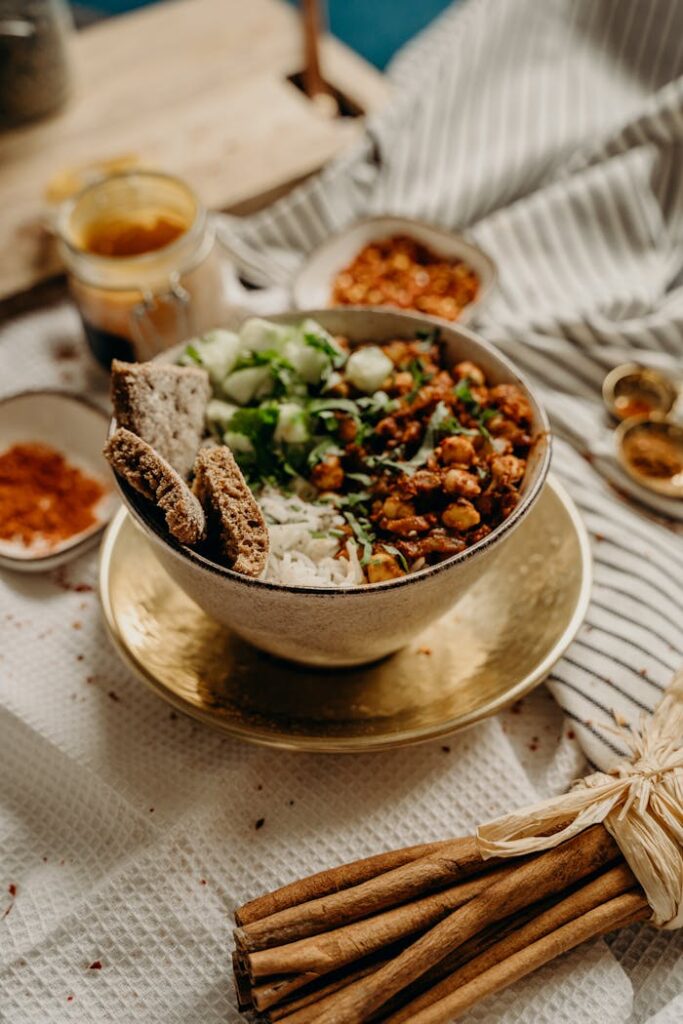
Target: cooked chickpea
(496, 424)
(407, 526)
(459, 481)
(457, 449)
(400, 271)
(403, 382)
(398, 351)
(461, 515)
(394, 508)
(347, 429)
(506, 430)
(507, 469)
(425, 481)
(383, 566)
(471, 371)
(339, 390)
(512, 402)
(328, 475)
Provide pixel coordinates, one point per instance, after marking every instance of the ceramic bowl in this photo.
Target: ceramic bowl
(77, 429)
(631, 390)
(658, 429)
(312, 288)
(356, 625)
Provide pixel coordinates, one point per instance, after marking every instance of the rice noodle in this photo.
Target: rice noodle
(302, 546)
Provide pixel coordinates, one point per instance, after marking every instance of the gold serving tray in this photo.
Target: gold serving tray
(494, 646)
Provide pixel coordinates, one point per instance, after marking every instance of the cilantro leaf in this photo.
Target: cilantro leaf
(463, 393)
(323, 344)
(398, 555)
(323, 448)
(361, 478)
(192, 353)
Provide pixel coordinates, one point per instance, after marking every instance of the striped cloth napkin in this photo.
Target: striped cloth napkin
(551, 134)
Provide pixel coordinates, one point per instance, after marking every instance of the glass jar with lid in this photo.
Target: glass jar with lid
(143, 267)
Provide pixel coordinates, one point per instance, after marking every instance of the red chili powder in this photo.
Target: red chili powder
(43, 496)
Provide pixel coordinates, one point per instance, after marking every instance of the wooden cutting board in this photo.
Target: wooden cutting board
(198, 88)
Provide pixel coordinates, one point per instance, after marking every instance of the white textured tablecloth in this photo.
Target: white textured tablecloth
(127, 833)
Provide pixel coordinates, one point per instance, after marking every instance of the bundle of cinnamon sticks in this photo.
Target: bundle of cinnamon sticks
(424, 933)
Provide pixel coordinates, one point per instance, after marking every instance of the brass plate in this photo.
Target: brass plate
(497, 643)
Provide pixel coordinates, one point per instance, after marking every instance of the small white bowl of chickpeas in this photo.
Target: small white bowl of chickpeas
(401, 263)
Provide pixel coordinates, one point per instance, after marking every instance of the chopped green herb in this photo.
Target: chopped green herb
(326, 405)
(322, 449)
(431, 335)
(481, 416)
(378, 403)
(398, 555)
(464, 394)
(384, 462)
(323, 344)
(363, 532)
(192, 353)
(420, 377)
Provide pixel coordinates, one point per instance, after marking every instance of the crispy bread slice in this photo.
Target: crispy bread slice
(235, 520)
(145, 470)
(164, 405)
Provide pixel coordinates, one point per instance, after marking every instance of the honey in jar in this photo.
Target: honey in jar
(143, 267)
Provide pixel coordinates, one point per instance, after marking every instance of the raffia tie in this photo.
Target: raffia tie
(639, 801)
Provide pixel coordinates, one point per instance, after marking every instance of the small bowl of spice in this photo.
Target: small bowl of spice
(398, 262)
(651, 452)
(631, 390)
(55, 495)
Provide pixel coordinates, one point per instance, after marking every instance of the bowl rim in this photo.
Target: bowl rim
(486, 284)
(544, 437)
(65, 393)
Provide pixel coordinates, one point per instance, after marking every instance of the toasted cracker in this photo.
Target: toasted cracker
(163, 404)
(235, 519)
(152, 476)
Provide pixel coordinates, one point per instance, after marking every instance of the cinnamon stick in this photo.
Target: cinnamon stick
(325, 882)
(600, 890)
(619, 912)
(452, 861)
(484, 951)
(321, 954)
(242, 984)
(536, 879)
(289, 1009)
(300, 1011)
(274, 991)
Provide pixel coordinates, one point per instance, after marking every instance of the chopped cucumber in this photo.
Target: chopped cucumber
(237, 442)
(368, 367)
(291, 424)
(257, 335)
(310, 363)
(252, 382)
(216, 351)
(317, 337)
(219, 414)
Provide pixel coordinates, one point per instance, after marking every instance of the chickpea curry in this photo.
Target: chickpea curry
(421, 459)
(402, 272)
